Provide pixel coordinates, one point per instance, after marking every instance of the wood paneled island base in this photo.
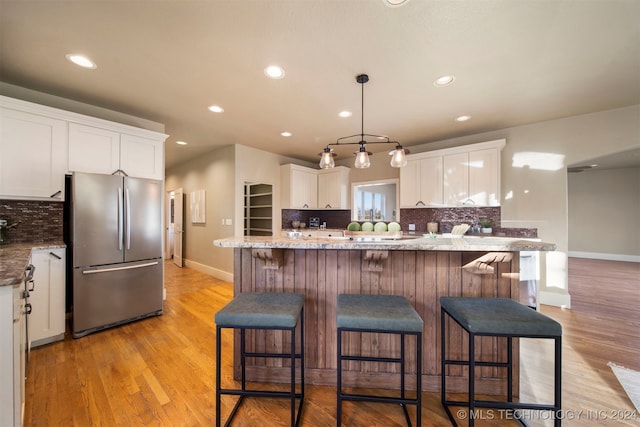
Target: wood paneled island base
(422, 276)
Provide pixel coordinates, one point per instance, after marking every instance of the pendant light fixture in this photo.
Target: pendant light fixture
(398, 155)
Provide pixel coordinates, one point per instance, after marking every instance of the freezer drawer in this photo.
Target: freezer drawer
(115, 294)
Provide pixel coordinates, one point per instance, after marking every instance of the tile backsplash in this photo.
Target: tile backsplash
(36, 221)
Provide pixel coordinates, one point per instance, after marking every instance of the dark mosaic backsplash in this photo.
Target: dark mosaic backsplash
(36, 221)
(447, 218)
(333, 218)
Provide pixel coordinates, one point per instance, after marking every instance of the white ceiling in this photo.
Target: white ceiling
(515, 62)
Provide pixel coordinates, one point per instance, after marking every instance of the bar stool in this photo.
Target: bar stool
(389, 314)
(266, 310)
(498, 317)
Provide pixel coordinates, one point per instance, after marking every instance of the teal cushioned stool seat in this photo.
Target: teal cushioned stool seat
(390, 314)
(499, 317)
(262, 310)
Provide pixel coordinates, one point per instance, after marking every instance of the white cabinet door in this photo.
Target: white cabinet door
(484, 177)
(305, 189)
(97, 150)
(46, 322)
(333, 188)
(299, 187)
(33, 156)
(421, 183)
(19, 354)
(456, 178)
(142, 157)
(431, 186)
(93, 150)
(410, 184)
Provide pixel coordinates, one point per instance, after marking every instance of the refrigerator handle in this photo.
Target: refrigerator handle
(120, 225)
(128, 219)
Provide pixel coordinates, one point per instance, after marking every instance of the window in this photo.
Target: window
(375, 201)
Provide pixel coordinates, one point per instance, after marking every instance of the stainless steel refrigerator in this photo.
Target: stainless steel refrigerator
(116, 245)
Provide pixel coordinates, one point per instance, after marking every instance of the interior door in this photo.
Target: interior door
(178, 197)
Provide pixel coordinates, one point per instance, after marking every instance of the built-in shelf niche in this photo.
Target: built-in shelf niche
(258, 209)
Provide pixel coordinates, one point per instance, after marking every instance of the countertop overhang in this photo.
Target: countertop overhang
(463, 243)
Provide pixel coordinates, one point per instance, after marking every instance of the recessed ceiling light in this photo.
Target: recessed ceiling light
(81, 60)
(216, 109)
(463, 118)
(181, 143)
(394, 3)
(443, 81)
(286, 134)
(345, 113)
(274, 72)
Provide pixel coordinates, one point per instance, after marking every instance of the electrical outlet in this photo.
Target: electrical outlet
(412, 227)
(228, 221)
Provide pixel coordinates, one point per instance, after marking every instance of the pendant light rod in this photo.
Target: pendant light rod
(362, 155)
(362, 79)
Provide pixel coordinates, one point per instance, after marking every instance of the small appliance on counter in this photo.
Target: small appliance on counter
(4, 226)
(314, 222)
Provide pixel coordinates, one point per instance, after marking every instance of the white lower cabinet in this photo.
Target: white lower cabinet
(47, 319)
(12, 356)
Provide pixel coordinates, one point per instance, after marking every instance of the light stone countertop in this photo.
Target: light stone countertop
(408, 243)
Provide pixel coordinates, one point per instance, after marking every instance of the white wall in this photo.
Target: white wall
(604, 213)
(534, 193)
(214, 173)
(222, 174)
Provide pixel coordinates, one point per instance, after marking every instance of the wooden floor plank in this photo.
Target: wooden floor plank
(160, 371)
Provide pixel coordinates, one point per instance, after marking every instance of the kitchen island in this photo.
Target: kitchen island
(420, 268)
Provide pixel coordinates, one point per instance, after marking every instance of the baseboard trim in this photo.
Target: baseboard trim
(218, 274)
(555, 299)
(604, 256)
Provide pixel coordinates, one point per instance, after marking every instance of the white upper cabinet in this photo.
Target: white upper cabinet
(456, 178)
(299, 187)
(39, 145)
(93, 150)
(421, 182)
(33, 156)
(333, 188)
(142, 157)
(460, 176)
(98, 150)
(484, 177)
(307, 188)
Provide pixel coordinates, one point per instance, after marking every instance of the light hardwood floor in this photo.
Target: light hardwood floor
(160, 371)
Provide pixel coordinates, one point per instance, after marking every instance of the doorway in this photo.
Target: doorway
(175, 226)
